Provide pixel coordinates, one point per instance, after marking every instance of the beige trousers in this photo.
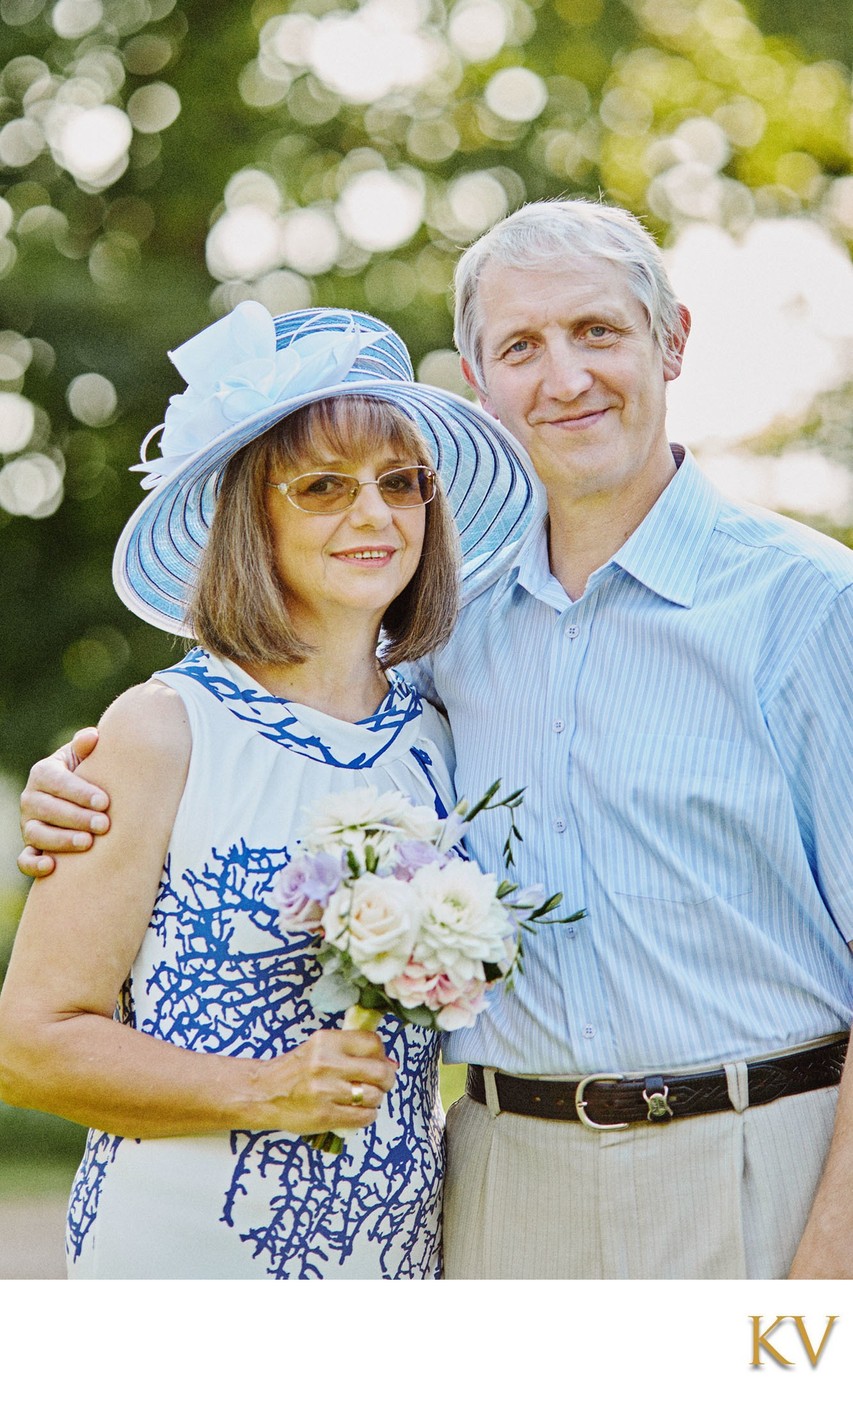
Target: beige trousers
(720, 1196)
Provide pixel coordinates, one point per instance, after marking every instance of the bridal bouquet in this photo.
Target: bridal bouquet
(405, 923)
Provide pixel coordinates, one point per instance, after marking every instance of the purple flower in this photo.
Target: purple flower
(303, 888)
(323, 873)
(412, 854)
(529, 898)
(455, 828)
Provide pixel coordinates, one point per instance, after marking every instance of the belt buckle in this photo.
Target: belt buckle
(580, 1104)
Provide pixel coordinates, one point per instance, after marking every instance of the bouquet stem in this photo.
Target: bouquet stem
(356, 1017)
(359, 1017)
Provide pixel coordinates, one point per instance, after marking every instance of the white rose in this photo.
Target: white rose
(463, 923)
(375, 920)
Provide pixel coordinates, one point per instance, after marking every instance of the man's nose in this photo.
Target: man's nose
(567, 372)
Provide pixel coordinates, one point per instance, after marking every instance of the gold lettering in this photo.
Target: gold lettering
(759, 1340)
(814, 1356)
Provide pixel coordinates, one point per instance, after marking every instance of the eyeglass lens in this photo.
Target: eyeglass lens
(333, 492)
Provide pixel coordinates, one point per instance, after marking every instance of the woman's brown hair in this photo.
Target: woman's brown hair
(237, 608)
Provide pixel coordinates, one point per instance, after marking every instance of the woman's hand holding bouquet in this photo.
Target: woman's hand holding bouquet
(405, 923)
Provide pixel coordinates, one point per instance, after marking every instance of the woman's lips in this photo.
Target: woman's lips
(371, 556)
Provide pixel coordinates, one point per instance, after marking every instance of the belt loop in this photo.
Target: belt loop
(737, 1085)
(491, 1089)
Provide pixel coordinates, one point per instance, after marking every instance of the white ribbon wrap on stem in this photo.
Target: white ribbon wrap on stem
(356, 1017)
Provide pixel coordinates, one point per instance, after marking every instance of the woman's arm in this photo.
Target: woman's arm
(60, 1048)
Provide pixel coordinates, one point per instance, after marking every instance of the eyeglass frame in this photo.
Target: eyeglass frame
(429, 473)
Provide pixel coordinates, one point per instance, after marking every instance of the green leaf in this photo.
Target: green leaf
(483, 802)
(371, 997)
(332, 992)
(420, 1016)
(547, 906)
(514, 799)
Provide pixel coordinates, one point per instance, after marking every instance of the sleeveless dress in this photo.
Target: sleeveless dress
(216, 973)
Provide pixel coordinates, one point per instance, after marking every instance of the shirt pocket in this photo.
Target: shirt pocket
(684, 832)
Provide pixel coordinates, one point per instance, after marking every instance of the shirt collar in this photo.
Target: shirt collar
(664, 553)
(531, 568)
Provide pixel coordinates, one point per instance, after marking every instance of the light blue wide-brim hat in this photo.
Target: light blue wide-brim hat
(250, 370)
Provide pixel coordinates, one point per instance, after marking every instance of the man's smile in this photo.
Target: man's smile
(581, 420)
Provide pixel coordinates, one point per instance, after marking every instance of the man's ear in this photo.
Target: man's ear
(481, 395)
(674, 353)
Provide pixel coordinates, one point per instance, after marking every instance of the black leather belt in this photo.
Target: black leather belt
(613, 1100)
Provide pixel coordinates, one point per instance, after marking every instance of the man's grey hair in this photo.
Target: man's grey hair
(547, 232)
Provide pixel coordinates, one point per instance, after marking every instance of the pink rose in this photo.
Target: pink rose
(416, 986)
(460, 1005)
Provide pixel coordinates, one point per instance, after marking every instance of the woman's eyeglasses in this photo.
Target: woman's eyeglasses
(335, 492)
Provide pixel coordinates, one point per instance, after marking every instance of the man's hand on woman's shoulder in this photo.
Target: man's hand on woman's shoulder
(60, 811)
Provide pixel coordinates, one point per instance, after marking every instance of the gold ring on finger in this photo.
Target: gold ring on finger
(357, 1095)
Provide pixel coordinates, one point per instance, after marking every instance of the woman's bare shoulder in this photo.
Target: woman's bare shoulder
(145, 728)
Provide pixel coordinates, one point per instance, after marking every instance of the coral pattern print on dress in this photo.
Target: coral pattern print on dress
(218, 973)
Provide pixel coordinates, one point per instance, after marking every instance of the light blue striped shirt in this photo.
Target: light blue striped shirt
(683, 733)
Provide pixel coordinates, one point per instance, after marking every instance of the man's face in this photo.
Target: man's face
(570, 366)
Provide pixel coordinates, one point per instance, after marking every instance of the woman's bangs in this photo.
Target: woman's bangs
(349, 428)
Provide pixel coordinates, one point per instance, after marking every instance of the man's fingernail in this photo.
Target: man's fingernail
(98, 801)
(81, 841)
(99, 824)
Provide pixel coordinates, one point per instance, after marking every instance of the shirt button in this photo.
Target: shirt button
(560, 826)
(558, 724)
(572, 631)
(588, 1031)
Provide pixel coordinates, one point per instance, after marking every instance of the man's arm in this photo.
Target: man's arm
(811, 724)
(826, 1248)
(60, 811)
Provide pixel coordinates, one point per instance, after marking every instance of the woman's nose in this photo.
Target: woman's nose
(369, 507)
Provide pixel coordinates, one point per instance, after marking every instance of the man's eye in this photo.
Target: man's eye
(518, 347)
(598, 332)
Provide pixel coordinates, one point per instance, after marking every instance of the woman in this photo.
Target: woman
(319, 454)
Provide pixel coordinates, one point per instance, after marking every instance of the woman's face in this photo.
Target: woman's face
(353, 562)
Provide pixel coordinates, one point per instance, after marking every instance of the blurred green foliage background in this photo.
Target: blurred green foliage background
(160, 160)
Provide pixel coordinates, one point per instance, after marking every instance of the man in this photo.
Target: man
(666, 674)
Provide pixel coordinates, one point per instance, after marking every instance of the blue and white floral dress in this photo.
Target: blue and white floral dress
(216, 973)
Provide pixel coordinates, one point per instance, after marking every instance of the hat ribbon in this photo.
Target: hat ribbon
(234, 372)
